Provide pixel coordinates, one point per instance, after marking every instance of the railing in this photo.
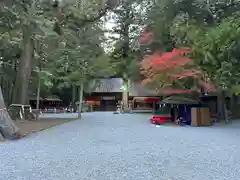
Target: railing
(19, 111)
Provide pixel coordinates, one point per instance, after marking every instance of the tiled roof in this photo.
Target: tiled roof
(114, 85)
(53, 98)
(109, 85)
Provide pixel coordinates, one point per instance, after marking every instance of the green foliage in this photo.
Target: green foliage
(129, 21)
(217, 52)
(82, 58)
(66, 36)
(210, 28)
(166, 16)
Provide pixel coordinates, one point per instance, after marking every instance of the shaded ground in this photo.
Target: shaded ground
(59, 115)
(28, 127)
(103, 146)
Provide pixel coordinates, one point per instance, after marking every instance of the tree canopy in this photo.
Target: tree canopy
(67, 39)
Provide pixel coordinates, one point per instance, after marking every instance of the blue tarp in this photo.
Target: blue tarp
(185, 112)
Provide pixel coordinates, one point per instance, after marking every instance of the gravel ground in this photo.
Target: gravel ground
(103, 146)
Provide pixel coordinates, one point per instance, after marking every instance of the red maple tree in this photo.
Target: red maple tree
(170, 70)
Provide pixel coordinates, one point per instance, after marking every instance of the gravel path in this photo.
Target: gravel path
(103, 146)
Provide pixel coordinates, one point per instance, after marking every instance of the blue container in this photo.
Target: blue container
(185, 117)
(185, 112)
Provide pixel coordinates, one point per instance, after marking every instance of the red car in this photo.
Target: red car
(160, 119)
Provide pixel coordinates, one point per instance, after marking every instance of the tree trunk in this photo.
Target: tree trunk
(234, 106)
(222, 111)
(80, 100)
(11, 87)
(14, 82)
(23, 75)
(38, 93)
(73, 93)
(39, 87)
(8, 129)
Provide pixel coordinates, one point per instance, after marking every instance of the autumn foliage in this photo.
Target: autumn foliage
(173, 72)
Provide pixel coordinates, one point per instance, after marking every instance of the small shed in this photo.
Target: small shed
(52, 101)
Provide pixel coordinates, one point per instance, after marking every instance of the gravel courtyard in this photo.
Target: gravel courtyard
(103, 146)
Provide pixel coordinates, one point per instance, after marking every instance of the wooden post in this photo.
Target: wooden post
(125, 93)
